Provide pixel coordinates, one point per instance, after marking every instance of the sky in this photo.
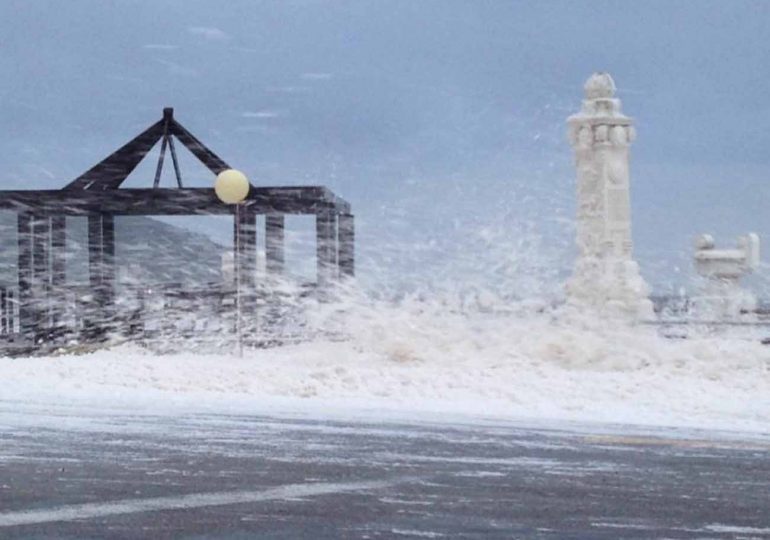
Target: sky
(442, 122)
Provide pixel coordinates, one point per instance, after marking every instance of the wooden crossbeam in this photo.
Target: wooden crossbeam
(172, 201)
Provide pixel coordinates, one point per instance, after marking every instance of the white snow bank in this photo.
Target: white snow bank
(434, 360)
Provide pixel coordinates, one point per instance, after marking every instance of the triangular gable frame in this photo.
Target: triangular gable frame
(112, 171)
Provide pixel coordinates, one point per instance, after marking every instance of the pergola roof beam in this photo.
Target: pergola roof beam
(212, 161)
(112, 171)
(172, 201)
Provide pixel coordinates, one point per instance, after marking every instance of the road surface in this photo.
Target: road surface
(236, 476)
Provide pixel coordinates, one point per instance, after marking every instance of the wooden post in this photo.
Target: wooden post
(58, 268)
(95, 251)
(41, 274)
(93, 309)
(24, 271)
(346, 245)
(101, 267)
(274, 244)
(109, 271)
(245, 249)
(11, 312)
(246, 240)
(4, 311)
(326, 249)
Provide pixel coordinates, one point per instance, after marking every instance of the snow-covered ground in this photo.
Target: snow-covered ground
(420, 359)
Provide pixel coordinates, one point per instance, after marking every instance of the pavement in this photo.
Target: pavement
(231, 476)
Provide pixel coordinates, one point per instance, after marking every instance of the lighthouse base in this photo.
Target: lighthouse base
(611, 287)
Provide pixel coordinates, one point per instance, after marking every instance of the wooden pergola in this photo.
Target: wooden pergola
(97, 195)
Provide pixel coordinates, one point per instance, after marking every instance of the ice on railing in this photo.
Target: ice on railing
(722, 296)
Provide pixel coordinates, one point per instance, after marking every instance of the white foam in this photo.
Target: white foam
(432, 357)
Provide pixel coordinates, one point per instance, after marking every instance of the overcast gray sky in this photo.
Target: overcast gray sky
(441, 121)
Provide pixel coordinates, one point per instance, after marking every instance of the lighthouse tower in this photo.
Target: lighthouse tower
(606, 277)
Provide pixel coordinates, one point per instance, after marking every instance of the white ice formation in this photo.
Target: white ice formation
(606, 278)
(723, 297)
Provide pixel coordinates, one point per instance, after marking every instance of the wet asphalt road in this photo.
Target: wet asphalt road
(210, 476)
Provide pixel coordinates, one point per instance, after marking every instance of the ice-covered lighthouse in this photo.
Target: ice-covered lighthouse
(606, 278)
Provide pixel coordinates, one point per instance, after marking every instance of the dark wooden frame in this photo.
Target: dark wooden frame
(97, 195)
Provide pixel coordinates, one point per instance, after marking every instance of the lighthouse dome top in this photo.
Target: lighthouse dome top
(599, 85)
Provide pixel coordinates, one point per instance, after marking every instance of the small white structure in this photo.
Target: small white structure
(723, 297)
(606, 277)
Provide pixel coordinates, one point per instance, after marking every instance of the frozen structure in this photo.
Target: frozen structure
(606, 278)
(43, 308)
(722, 296)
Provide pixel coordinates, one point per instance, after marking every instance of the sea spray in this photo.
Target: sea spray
(415, 356)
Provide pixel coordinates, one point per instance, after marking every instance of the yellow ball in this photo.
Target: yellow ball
(231, 186)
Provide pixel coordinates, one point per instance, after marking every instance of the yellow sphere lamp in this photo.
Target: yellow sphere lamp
(231, 186)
